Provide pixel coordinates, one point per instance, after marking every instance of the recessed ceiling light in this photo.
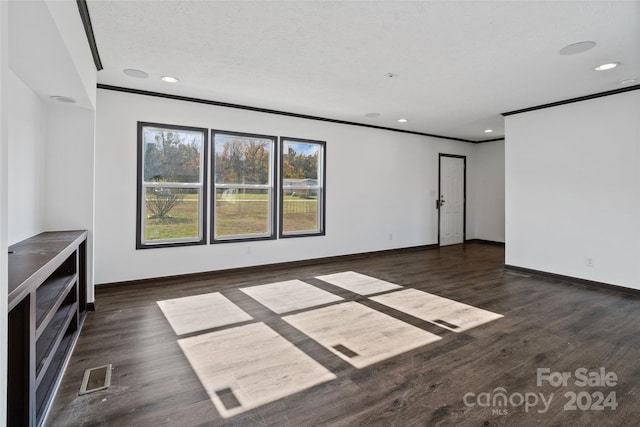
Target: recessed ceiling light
(576, 48)
(607, 66)
(63, 99)
(488, 130)
(402, 120)
(138, 74)
(169, 79)
(628, 82)
(372, 115)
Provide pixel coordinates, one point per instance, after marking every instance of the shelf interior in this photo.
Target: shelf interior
(53, 333)
(53, 288)
(54, 371)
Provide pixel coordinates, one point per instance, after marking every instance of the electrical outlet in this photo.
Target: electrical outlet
(589, 262)
(248, 250)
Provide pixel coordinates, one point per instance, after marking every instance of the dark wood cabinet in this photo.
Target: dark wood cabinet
(47, 306)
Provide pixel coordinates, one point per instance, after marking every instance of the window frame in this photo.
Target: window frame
(141, 242)
(272, 187)
(321, 188)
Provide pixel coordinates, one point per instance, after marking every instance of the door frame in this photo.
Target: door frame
(464, 194)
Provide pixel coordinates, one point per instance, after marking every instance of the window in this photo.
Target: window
(243, 182)
(171, 185)
(302, 166)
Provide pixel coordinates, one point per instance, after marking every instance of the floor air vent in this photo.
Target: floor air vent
(96, 379)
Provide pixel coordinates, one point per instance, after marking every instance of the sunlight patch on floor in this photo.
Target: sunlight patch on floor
(201, 312)
(358, 283)
(358, 334)
(446, 313)
(292, 295)
(247, 366)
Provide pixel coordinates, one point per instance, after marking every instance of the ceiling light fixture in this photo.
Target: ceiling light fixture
(576, 48)
(63, 99)
(488, 130)
(138, 74)
(628, 82)
(402, 120)
(607, 66)
(169, 79)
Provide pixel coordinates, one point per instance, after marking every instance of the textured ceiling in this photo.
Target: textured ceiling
(458, 64)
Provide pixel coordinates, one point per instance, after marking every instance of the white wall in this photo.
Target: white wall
(26, 166)
(488, 190)
(67, 19)
(573, 189)
(69, 163)
(378, 183)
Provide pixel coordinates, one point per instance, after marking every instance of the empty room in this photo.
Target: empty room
(319, 213)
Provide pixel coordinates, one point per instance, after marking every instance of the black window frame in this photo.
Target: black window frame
(322, 187)
(141, 243)
(274, 189)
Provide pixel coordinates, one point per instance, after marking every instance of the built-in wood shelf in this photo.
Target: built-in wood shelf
(47, 305)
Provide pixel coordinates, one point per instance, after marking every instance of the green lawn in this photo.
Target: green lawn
(182, 222)
(240, 215)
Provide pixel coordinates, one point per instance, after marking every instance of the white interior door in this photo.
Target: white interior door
(451, 203)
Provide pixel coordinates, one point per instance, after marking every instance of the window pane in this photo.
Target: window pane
(171, 213)
(302, 187)
(243, 180)
(300, 213)
(300, 163)
(172, 155)
(242, 160)
(242, 212)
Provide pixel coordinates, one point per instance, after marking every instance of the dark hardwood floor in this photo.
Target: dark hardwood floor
(547, 324)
